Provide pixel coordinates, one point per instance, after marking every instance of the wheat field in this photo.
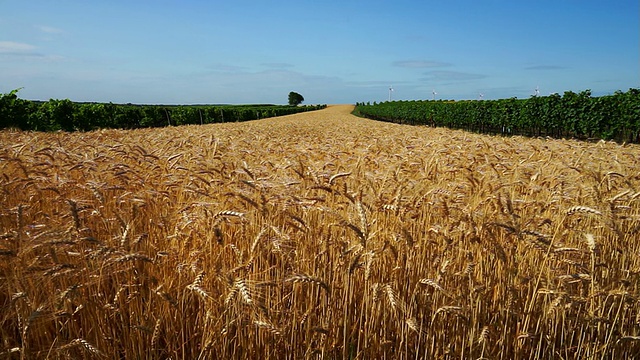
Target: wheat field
(317, 236)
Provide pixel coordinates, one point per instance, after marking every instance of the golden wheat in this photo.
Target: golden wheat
(317, 235)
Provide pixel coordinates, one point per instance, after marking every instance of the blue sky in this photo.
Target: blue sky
(241, 51)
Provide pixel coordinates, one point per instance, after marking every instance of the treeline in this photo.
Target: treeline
(66, 115)
(572, 115)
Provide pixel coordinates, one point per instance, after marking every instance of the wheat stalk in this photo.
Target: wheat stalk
(267, 326)
(337, 176)
(243, 290)
(156, 334)
(302, 278)
(433, 284)
(484, 335)
(591, 242)
(85, 345)
(196, 286)
(583, 210)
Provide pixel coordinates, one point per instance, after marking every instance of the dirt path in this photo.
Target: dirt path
(334, 120)
(332, 111)
(338, 113)
(334, 125)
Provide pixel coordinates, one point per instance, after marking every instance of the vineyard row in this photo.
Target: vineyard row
(571, 115)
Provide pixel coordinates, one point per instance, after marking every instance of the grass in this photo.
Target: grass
(318, 236)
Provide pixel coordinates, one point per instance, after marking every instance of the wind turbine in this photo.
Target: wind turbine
(434, 93)
(537, 91)
(480, 96)
(390, 91)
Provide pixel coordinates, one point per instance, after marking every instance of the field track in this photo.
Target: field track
(317, 235)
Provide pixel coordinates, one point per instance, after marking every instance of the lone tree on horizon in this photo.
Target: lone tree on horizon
(295, 99)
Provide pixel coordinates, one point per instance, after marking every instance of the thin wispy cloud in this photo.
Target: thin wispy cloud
(419, 64)
(278, 65)
(10, 47)
(451, 76)
(49, 29)
(545, 67)
(12, 51)
(227, 67)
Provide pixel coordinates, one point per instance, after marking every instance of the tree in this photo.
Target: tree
(295, 99)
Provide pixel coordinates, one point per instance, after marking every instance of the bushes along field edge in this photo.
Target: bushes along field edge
(572, 115)
(66, 115)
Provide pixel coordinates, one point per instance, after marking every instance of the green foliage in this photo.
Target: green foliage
(577, 115)
(295, 99)
(66, 115)
(13, 111)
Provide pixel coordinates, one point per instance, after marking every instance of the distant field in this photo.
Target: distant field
(317, 236)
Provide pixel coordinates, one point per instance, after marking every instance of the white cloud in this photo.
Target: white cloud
(226, 67)
(49, 29)
(418, 64)
(545, 67)
(16, 52)
(278, 65)
(10, 47)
